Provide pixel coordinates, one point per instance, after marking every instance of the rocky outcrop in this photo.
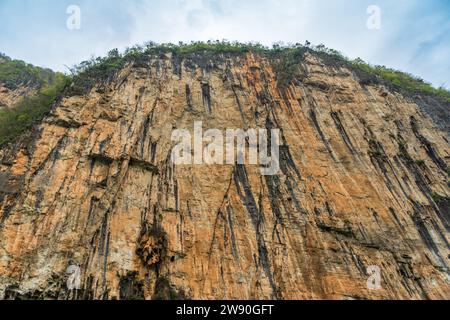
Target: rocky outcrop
(10, 97)
(363, 182)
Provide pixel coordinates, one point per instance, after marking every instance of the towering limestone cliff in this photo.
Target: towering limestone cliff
(363, 181)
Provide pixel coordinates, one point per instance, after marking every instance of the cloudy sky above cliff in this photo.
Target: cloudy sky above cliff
(414, 35)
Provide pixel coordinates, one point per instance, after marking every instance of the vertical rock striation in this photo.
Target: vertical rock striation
(363, 182)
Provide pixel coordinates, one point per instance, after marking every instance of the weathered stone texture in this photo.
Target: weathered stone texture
(364, 181)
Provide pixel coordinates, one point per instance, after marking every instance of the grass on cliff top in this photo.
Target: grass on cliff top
(400, 80)
(288, 57)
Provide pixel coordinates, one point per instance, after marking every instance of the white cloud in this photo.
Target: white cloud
(412, 36)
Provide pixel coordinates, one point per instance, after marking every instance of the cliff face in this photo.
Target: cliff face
(363, 182)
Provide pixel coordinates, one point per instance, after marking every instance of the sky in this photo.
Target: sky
(408, 35)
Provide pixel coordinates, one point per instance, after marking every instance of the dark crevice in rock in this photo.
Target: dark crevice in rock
(245, 193)
(65, 123)
(7, 209)
(104, 159)
(441, 211)
(380, 160)
(292, 176)
(144, 165)
(92, 206)
(443, 204)
(164, 290)
(427, 146)
(284, 92)
(346, 232)
(437, 109)
(177, 65)
(228, 77)
(395, 216)
(131, 288)
(146, 127)
(315, 121)
(52, 155)
(104, 231)
(105, 262)
(273, 184)
(87, 291)
(329, 209)
(425, 234)
(189, 98)
(359, 264)
(206, 95)
(340, 127)
(230, 216)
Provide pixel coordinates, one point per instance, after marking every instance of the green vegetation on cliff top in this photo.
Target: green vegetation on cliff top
(289, 56)
(286, 60)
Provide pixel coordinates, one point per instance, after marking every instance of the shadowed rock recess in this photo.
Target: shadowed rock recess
(364, 181)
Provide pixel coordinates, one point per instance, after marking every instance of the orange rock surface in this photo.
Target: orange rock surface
(363, 182)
